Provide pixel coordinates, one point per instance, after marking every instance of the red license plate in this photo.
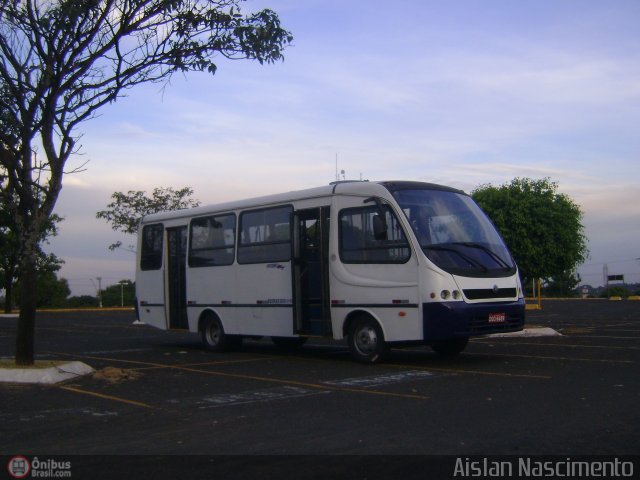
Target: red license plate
(497, 317)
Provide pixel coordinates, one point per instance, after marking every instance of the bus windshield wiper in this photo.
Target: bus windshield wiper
(444, 248)
(487, 250)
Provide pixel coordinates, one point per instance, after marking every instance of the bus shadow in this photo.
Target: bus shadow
(327, 350)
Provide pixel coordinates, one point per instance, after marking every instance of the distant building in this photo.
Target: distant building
(589, 291)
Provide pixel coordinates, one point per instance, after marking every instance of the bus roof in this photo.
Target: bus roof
(364, 188)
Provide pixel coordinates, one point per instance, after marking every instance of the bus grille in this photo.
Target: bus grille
(488, 293)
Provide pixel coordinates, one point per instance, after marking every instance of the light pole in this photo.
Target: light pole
(122, 284)
(99, 291)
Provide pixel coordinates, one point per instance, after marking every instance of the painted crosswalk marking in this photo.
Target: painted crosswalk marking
(376, 380)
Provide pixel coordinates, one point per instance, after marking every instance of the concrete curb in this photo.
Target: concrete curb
(49, 376)
(530, 332)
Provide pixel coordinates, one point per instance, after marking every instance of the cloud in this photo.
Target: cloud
(460, 95)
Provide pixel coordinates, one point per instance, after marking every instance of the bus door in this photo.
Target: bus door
(176, 277)
(311, 272)
(378, 271)
(150, 276)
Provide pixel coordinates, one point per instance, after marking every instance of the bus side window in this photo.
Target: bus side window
(368, 237)
(151, 254)
(212, 241)
(265, 235)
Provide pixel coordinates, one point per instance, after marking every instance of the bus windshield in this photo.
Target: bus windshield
(454, 233)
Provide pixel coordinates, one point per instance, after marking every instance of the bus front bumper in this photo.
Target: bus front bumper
(446, 320)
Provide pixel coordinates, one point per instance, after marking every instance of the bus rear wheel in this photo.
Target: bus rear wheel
(214, 336)
(450, 347)
(366, 341)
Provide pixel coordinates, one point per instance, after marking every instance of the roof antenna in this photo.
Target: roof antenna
(341, 171)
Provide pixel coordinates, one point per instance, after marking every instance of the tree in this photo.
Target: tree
(615, 291)
(120, 294)
(126, 210)
(82, 301)
(62, 60)
(562, 285)
(10, 249)
(52, 291)
(542, 228)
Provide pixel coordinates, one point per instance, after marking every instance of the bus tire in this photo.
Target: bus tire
(450, 347)
(366, 341)
(288, 344)
(213, 335)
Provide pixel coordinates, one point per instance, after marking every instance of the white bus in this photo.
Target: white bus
(380, 264)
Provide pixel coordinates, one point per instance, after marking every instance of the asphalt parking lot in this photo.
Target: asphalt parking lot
(161, 393)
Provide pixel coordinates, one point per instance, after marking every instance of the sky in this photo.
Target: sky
(461, 93)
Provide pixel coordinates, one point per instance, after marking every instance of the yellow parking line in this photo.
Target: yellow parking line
(216, 362)
(542, 357)
(107, 397)
(472, 372)
(629, 337)
(615, 328)
(302, 384)
(293, 382)
(255, 377)
(412, 396)
(92, 357)
(68, 330)
(570, 345)
(153, 365)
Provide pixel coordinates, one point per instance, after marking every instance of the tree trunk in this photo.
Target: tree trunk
(8, 291)
(25, 337)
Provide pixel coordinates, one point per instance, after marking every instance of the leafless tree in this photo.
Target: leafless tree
(61, 61)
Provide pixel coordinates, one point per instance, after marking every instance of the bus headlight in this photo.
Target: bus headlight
(446, 294)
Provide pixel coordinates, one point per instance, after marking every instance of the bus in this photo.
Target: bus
(378, 264)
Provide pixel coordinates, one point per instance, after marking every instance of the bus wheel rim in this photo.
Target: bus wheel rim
(366, 340)
(213, 335)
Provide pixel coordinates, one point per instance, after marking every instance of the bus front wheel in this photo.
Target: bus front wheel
(450, 347)
(366, 341)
